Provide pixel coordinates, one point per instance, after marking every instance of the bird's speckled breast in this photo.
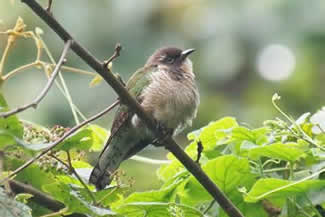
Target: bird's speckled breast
(172, 102)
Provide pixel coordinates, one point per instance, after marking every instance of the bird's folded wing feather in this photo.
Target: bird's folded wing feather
(135, 85)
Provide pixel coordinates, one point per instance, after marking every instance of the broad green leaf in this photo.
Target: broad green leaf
(228, 172)
(107, 197)
(166, 172)
(320, 138)
(99, 136)
(271, 188)
(215, 132)
(82, 140)
(12, 208)
(10, 127)
(242, 136)
(288, 151)
(209, 136)
(157, 209)
(81, 164)
(72, 199)
(29, 174)
(167, 194)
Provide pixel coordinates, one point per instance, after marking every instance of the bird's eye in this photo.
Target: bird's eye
(169, 60)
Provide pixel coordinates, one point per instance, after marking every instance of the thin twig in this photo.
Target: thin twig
(125, 96)
(49, 6)
(19, 69)
(116, 54)
(58, 213)
(67, 134)
(38, 99)
(65, 92)
(38, 63)
(79, 178)
(5, 55)
(209, 207)
(107, 195)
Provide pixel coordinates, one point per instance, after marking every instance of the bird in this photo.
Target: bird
(166, 88)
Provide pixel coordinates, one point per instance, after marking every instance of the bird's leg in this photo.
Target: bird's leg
(164, 133)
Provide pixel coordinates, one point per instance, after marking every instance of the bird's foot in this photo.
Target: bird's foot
(164, 134)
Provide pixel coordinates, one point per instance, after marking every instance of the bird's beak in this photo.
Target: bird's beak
(187, 52)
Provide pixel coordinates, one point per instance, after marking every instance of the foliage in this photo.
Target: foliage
(278, 167)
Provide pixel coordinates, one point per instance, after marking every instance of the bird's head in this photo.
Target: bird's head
(172, 57)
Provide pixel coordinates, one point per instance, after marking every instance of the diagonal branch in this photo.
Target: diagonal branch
(46, 89)
(39, 197)
(67, 134)
(124, 96)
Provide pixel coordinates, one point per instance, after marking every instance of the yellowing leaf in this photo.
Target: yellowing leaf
(96, 80)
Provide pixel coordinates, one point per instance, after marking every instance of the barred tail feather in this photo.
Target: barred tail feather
(100, 178)
(110, 160)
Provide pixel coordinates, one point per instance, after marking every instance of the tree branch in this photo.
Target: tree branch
(67, 134)
(46, 89)
(124, 96)
(39, 197)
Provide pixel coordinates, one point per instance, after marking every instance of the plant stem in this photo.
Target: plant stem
(21, 68)
(39, 98)
(72, 169)
(58, 213)
(5, 55)
(65, 88)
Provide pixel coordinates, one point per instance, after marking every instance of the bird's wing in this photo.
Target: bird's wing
(135, 85)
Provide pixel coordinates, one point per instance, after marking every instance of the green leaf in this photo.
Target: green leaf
(23, 197)
(107, 197)
(228, 172)
(288, 152)
(29, 174)
(81, 164)
(99, 136)
(166, 172)
(72, 199)
(157, 209)
(271, 188)
(167, 194)
(320, 138)
(12, 208)
(216, 132)
(10, 127)
(82, 140)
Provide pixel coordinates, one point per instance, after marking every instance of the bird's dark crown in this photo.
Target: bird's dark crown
(167, 56)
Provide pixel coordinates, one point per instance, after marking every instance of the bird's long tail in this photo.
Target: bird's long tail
(100, 178)
(110, 160)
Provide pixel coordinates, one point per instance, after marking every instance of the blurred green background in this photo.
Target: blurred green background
(246, 51)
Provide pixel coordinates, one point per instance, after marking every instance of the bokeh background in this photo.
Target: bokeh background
(246, 51)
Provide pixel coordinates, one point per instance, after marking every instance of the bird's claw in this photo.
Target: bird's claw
(164, 133)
